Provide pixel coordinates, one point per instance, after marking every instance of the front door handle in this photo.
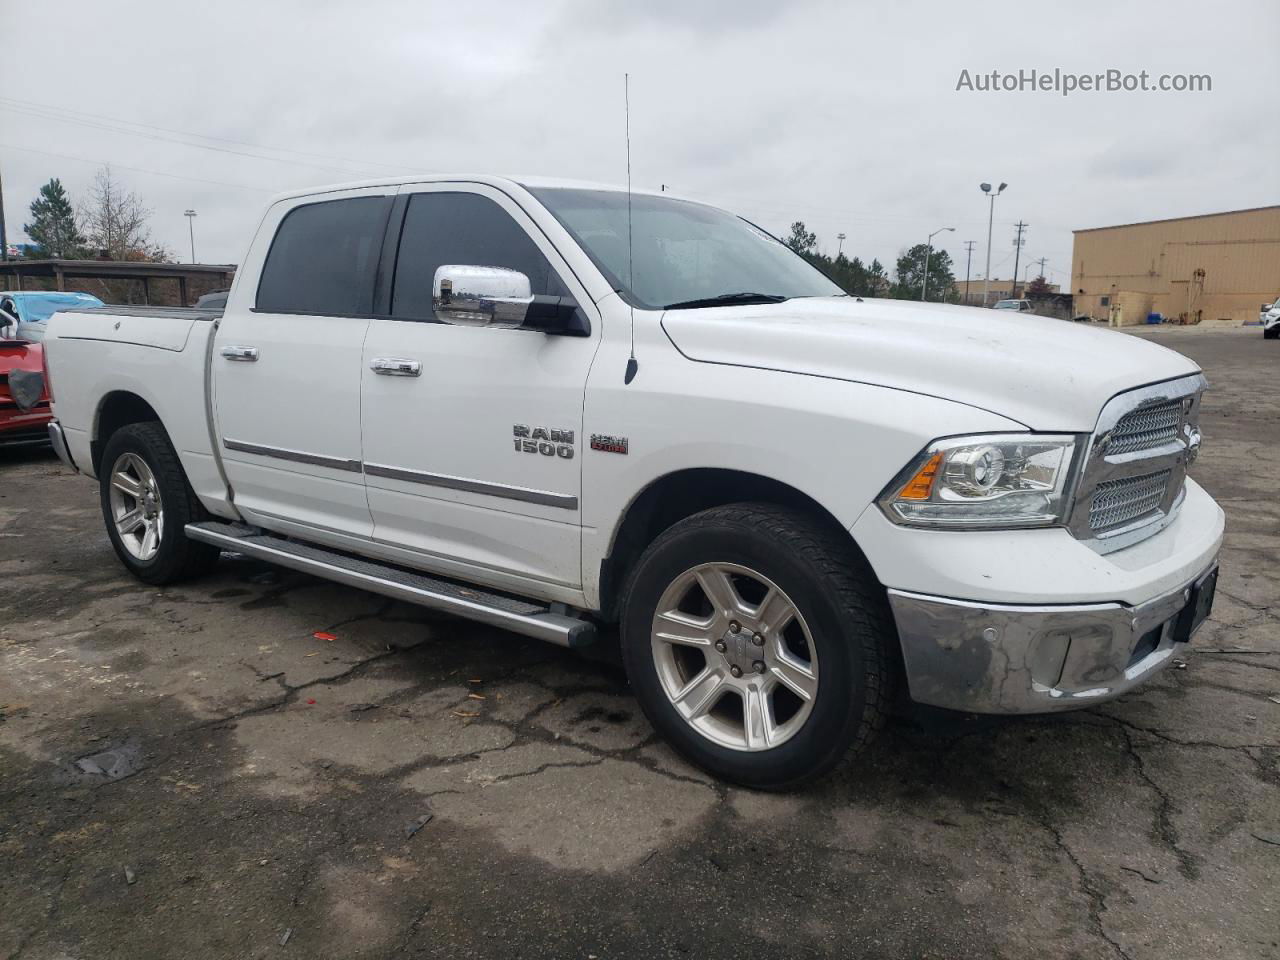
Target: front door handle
(395, 367)
(243, 354)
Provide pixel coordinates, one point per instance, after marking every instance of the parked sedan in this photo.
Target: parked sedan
(30, 310)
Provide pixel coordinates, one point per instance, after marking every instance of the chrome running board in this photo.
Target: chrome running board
(473, 603)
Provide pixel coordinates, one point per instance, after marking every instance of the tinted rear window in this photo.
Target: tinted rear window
(324, 258)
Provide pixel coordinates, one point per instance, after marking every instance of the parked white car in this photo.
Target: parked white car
(1021, 306)
(550, 407)
(1270, 317)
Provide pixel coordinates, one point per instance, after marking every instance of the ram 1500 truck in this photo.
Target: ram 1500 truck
(552, 407)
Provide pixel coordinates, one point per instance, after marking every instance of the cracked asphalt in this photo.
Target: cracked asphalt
(412, 785)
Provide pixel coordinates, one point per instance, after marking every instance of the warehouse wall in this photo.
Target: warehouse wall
(1123, 273)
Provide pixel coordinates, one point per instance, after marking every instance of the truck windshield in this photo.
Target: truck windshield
(684, 254)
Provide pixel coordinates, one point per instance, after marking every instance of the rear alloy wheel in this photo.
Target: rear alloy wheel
(147, 504)
(136, 508)
(759, 643)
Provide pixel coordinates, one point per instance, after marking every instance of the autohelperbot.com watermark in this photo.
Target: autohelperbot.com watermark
(1066, 82)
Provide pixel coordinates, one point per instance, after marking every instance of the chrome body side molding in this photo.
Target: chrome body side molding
(542, 497)
(296, 456)
(545, 498)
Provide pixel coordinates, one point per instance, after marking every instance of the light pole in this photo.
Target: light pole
(840, 247)
(968, 260)
(924, 284)
(986, 284)
(191, 229)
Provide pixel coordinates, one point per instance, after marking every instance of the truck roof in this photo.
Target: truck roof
(527, 182)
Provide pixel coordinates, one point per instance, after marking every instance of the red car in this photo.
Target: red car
(19, 425)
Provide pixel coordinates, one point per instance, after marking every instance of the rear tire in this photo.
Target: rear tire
(147, 503)
(783, 678)
(1271, 334)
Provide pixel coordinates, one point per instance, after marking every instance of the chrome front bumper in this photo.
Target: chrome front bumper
(994, 658)
(59, 442)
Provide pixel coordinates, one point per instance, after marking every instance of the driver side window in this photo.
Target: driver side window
(461, 228)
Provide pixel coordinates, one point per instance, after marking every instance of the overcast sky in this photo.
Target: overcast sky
(843, 115)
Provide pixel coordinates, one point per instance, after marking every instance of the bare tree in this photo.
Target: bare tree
(114, 219)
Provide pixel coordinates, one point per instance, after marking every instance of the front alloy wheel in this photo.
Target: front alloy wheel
(735, 657)
(757, 639)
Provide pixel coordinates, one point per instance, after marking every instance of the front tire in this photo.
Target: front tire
(758, 643)
(147, 503)
(1271, 334)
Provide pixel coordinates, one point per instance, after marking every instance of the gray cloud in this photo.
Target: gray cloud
(845, 116)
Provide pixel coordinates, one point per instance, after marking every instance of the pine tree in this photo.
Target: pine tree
(53, 227)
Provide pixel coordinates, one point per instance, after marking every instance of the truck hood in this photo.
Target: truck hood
(1050, 375)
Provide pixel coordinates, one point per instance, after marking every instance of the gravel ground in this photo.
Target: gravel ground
(188, 772)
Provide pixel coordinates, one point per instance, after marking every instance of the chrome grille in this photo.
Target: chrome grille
(1116, 503)
(1148, 426)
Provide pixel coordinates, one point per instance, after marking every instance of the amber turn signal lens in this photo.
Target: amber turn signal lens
(921, 485)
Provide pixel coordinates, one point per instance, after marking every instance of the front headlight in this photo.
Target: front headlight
(1000, 480)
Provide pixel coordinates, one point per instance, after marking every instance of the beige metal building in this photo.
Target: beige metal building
(970, 291)
(1218, 269)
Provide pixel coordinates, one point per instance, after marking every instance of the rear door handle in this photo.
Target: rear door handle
(243, 354)
(395, 367)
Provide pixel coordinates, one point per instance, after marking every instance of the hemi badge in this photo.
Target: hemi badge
(607, 444)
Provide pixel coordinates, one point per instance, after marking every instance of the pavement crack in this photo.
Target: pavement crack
(1163, 828)
(1137, 872)
(1097, 899)
(414, 926)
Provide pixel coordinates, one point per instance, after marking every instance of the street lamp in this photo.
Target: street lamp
(840, 247)
(986, 188)
(191, 219)
(924, 285)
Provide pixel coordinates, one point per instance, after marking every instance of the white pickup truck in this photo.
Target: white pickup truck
(552, 407)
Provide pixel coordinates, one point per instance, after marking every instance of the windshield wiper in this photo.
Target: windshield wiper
(726, 299)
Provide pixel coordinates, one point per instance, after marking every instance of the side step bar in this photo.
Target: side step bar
(472, 603)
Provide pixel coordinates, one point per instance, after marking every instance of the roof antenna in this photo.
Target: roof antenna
(632, 366)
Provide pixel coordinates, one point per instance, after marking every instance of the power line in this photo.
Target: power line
(122, 166)
(110, 128)
(68, 114)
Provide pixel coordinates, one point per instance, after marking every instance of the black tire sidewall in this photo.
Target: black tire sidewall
(148, 442)
(838, 708)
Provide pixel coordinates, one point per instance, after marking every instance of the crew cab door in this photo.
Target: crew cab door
(286, 365)
(473, 435)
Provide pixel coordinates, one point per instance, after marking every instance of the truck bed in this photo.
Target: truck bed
(103, 357)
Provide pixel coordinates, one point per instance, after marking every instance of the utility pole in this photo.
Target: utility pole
(1017, 251)
(4, 240)
(1041, 261)
(968, 259)
(840, 248)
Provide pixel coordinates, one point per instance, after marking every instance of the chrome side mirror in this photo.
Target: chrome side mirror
(475, 296)
(480, 296)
